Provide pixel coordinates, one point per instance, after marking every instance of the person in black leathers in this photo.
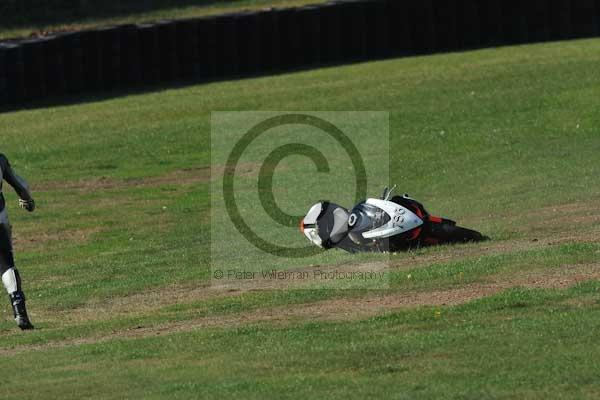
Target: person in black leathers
(10, 275)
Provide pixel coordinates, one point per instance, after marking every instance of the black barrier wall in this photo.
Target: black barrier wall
(275, 40)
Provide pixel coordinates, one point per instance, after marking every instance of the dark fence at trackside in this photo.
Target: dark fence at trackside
(270, 41)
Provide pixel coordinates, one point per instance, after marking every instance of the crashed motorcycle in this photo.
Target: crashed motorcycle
(388, 224)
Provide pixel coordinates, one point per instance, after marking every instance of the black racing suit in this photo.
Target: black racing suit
(7, 174)
(10, 275)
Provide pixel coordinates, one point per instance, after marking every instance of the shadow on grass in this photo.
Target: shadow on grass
(86, 97)
(16, 14)
(89, 97)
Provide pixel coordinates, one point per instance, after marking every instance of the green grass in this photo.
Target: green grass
(115, 259)
(529, 344)
(45, 18)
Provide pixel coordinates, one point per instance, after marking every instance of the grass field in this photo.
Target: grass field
(115, 261)
(45, 19)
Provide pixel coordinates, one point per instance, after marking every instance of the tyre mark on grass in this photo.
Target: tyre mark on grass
(442, 255)
(178, 177)
(151, 300)
(344, 309)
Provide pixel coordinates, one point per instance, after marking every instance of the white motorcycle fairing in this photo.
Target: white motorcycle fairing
(401, 220)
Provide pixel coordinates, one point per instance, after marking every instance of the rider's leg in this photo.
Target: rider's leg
(10, 275)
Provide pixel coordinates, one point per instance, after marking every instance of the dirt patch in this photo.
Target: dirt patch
(562, 218)
(146, 302)
(185, 176)
(70, 236)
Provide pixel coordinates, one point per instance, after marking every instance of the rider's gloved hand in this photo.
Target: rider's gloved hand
(28, 205)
